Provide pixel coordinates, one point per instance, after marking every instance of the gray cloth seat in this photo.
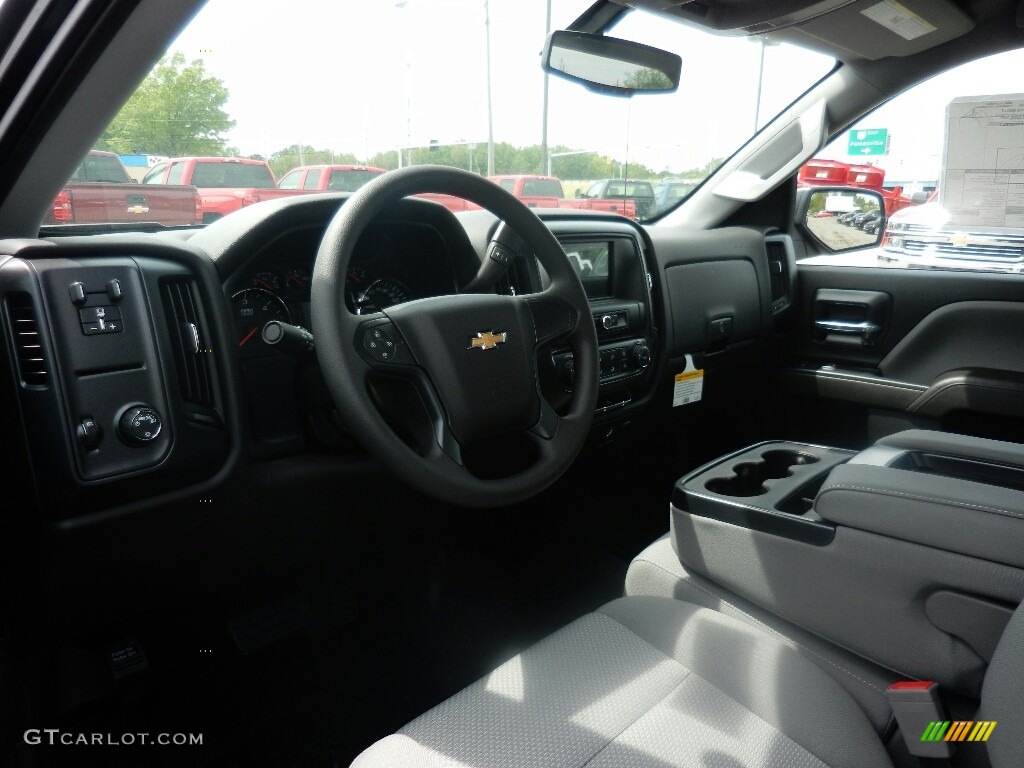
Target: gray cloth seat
(644, 682)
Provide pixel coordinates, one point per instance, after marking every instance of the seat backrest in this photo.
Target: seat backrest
(1002, 696)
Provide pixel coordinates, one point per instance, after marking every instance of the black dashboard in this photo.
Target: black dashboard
(141, 373)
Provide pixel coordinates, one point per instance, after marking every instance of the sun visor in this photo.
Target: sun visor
(845, 29)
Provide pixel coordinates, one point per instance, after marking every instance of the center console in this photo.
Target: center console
(910, 553)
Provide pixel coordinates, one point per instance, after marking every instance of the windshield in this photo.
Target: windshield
(455, 83)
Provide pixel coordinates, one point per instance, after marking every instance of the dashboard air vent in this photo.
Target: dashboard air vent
(32, 366)
(778, 270)
(190, 356)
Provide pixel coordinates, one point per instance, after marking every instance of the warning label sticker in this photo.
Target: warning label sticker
(899, 19)
(689, 386)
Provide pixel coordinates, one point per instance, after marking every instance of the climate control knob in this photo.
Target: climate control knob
(139, 425)
(640, 355)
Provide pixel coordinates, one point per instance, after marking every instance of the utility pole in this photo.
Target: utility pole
(490, 107)
(545, 160)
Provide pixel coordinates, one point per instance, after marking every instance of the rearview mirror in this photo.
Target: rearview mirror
(842, 218)
(609, 65)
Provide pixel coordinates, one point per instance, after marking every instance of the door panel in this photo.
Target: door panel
(900, 347)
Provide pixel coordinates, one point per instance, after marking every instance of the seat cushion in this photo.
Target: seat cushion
(657, 571)
(644, 681)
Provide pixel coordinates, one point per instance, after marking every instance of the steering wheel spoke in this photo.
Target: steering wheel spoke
(547, 426)
(554, 319)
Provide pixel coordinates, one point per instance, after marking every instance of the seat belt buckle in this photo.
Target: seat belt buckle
(921, 718)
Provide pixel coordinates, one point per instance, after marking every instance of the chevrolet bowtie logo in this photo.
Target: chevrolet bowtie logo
(486, 340)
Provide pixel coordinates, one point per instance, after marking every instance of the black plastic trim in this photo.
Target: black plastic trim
(690, 495)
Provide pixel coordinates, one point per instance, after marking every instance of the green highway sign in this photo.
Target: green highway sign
(868, 141)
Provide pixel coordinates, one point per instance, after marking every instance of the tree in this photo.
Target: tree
(177, 111)
(647, 79)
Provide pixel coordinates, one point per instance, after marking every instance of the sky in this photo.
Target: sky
(368, 76)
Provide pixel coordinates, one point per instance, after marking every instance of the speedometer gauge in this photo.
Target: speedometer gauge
(253, 308)
(378, 295)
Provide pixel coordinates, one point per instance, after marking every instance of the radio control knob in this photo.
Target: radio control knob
(608, 322)
(640, 355)
(139, 425)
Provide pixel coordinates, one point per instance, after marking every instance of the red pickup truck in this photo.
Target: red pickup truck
(225, 184)
(349, 178)
(102, 192)
(329, 178)
(547, 192)
(534, 191)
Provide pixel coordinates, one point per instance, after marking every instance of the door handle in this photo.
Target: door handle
(865, 330)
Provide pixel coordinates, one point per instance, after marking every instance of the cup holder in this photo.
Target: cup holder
(749, 477)
(748, 480)
(778, 463)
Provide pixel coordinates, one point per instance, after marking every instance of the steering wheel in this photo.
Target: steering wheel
(472, 357)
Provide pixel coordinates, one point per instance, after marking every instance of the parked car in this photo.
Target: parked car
(922, 237)
(640, 193)
(226, 184)
(534, 191)
(546, 192)
(100, 191)
(328, 178)
(669, 193)
(866, 220)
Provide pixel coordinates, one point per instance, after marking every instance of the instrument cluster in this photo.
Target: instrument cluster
(391, 265)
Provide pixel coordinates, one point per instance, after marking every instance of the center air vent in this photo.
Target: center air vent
(27, 341)
(187, 339)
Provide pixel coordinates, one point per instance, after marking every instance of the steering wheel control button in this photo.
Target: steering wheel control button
(487, 340)
(89, 433)
(381, 343)
(114, 291)
(77, 291)
(139, 425)
(501, 254)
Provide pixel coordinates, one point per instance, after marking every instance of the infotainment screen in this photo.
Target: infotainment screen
(593, 263)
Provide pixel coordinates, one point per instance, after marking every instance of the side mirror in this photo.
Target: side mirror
(610, 65)
(579, 193)
(841, 218)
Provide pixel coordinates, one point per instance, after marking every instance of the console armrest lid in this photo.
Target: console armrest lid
(969, 518)
(957, 445)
